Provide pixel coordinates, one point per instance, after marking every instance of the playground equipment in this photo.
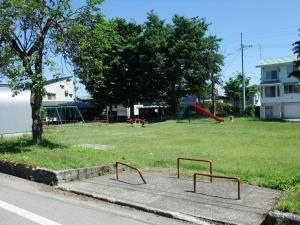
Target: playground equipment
(63, 114)
(196, 160)
(218, 176)
(131, 167)
(188, 103)
(186, 109)
(137, 121)
(210, 175)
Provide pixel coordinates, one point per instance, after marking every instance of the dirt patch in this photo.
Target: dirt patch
(96, 146)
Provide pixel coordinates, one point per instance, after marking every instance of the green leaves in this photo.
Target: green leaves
(234, 88)
(296, 50)
(28, 31)
(122, 62)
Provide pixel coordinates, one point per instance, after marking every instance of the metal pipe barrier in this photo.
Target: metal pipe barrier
(221, 177)
(197, 160)
(131, 167)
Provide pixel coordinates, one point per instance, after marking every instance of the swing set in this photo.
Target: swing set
(62, 114)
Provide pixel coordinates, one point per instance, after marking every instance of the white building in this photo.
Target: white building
(15, 112)
(60, 90)
(280, 94)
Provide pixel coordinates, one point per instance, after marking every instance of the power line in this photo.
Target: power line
(233, 59)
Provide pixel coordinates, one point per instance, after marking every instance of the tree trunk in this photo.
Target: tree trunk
(213, 97)
(37, 125)
(110, 113)
(36, 98)
(131, 107)
(174, 99)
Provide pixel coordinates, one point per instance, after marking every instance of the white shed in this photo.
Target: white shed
(15, 112)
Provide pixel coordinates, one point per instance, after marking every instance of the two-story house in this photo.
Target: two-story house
(280, 94)
(60, 90)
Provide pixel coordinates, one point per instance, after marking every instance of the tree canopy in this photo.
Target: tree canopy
(146, 62)
(28, 30)
(296, 50)
(234, 88)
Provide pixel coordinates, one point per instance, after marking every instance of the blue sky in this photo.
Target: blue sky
(270, 26)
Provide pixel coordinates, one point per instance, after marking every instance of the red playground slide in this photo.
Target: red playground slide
(206, 112)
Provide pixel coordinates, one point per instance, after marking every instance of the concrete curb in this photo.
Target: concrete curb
(282, 218)
(144, 208)
(48, 176)
(83, 173)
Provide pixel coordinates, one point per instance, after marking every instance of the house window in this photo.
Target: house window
(291, 88)
(272, 75)
(51, 96)
(292, 68)
(270, 91)
(262, 92)
(278, 91)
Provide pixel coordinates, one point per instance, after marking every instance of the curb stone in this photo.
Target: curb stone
(51, 177)
(282, 218)
(144, 208)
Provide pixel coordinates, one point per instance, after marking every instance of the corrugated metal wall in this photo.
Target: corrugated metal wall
(15, 112)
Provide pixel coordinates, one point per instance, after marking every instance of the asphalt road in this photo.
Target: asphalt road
(28, 203)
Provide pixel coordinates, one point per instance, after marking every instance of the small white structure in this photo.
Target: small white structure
(280, 94)
(15, 112)
(60, 89)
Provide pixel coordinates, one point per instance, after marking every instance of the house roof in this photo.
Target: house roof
(57, 80)
(271, 82)
(276, 61)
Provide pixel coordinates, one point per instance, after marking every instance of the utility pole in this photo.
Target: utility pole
(243, 74)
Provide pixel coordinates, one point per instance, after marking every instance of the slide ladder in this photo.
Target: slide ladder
(206, 112)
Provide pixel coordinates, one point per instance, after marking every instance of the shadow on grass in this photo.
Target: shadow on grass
(24, 144)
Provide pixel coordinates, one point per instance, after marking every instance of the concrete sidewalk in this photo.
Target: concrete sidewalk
(165, 193)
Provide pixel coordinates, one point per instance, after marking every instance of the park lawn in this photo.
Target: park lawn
(262, 153)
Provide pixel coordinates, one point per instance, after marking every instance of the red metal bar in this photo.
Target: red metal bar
(221, 177)
(131, 167)
(196, 160)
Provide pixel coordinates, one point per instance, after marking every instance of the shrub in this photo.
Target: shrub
(228, 108)
(250, 110)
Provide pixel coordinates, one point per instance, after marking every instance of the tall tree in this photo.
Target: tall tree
(92, 46)
(128, 69)
(214, 61)
(296, 50)
(27, 30)
(152, 56)
(105, 55)
(187, 60)
(234, 89)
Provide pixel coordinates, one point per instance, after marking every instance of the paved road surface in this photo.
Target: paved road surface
(27, 203)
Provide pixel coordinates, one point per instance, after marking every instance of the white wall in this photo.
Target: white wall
(282, 72)
(15, 112)
(64, 90)
(283, 78)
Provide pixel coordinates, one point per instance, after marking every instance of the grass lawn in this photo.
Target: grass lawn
(262, 153)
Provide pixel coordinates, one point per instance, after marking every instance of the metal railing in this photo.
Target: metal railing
(221, 177)
(131, 167)
(197, 160)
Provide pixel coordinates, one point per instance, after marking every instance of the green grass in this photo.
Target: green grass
(262, 153)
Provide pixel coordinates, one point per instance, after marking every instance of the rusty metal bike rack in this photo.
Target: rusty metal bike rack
(221, 177)
(131, 167)
(196, 160)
